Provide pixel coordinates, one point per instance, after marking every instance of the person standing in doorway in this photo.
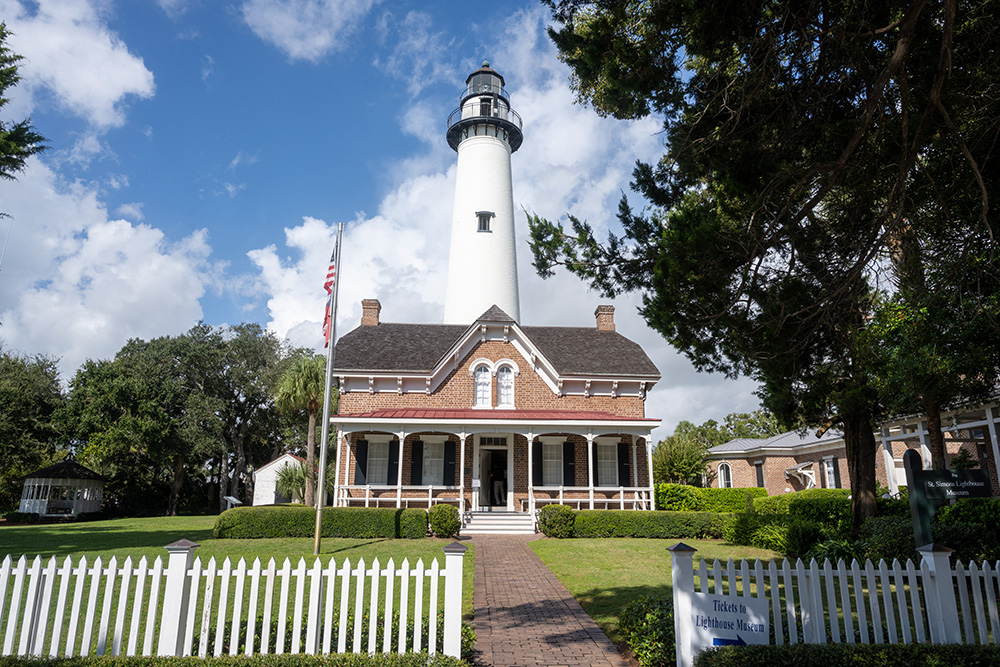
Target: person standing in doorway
(499, 482)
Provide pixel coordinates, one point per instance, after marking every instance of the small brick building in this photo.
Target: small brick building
(492, 415)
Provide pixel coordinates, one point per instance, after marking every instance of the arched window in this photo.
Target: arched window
(725, 476)
(482, 380)
(505, 387)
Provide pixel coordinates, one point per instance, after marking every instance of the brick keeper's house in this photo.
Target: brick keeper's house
(483, 412)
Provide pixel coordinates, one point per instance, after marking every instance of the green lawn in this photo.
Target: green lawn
(148, 536)
(604, 575)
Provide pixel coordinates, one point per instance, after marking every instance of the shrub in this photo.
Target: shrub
(983, 511)
(772, 504)
(684, 498)
(556, 520)
(827, 507)
(801, 535)
(647, 624)
(888, 538)
(663, 525)
(835, 550)
(22, 517)
(788, 535)
(851, 655)
(444, 520)
(298, 521)
(892, 506)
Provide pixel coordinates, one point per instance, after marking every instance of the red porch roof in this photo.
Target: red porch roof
(470, 414)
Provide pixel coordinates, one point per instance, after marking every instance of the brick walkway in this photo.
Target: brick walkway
(525, 617)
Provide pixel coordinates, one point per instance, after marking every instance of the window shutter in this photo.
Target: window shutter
(536, 464)
(449, 464)
(836, 473)
(361, 462)
(622, 464)
(417, 463)
(569, 464)
(822, 473)
(392, 475)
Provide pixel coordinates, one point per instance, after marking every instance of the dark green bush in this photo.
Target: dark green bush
(684, 498)
(270, 660)
(835, 550)
(556, 520)
(851, 655)
(790, 536)
(892, 506)
(983, 511)
(647, 624)
(827, 507)
(444, 520)
(21, 517)
(299, 521)
(772, 504)
(662, 525)
(892, 537)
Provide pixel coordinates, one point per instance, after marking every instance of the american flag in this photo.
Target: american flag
(331, 279)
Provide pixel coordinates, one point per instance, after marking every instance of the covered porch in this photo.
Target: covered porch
(498, 460)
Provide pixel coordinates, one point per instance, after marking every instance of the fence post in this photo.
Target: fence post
(453, 560)
(944, 628)
(682, 575)
(175, 598)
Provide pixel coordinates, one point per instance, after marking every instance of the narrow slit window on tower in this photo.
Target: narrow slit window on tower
(484, 220)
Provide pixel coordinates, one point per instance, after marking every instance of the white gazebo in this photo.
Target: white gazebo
(64, 489)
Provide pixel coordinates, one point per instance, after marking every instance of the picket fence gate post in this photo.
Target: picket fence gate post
(942, 612)
(453, 561)
(682, 574)
(176, 594)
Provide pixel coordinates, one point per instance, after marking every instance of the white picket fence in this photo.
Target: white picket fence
(185, 607)
(817, 603)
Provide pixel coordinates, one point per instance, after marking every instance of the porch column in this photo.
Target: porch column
(590, 467)
(399, 472)
(635, 463)
(890, 462)
(991, 423)
(925, 450)
(649, 466)
(530, 437)
(336, 479)
(461, 476)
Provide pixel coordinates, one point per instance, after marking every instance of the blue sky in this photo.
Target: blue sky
(202, 153)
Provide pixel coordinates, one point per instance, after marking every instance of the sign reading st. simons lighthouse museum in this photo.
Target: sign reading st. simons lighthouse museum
(722, 620)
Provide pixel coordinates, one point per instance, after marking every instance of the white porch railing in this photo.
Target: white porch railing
(186, 607)
(385, 495)
(627, 497)
(864, 603)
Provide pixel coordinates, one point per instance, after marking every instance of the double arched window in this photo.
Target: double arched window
(482, 371)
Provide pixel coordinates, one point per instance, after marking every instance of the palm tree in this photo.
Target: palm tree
(301, 388)
(291, 481)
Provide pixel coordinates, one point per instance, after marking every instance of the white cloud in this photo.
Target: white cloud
(69, 51)
(131, 210)
(174, 8)
(420, 54)
(207, 67)
(78, 285)
(306, 29)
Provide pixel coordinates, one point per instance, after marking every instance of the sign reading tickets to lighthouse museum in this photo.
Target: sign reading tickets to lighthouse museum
(723, 620)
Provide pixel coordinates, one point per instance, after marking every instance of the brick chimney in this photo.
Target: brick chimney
(605, 318)
(370, 308)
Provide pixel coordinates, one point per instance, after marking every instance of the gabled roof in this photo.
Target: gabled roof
(66, 469)
(281, 458)
(418, 348)
(789, 440)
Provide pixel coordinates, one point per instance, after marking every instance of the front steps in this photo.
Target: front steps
(497, 523)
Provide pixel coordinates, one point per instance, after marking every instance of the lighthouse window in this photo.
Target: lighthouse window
(484, 220)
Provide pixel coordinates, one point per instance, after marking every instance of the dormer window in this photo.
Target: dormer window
(482, 379)
(505, 387)
(485, 218)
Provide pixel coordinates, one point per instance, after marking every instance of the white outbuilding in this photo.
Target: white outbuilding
(64, 489)
(265, 480)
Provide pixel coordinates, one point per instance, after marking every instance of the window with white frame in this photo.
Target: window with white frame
(552, 464)
(607, 464)
(725, 476)
(378, 462)
(482, 380)
(434, 463)
(505, 387)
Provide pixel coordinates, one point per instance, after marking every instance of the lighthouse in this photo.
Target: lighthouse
(482, 263)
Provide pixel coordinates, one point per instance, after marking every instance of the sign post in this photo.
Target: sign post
(929, 489)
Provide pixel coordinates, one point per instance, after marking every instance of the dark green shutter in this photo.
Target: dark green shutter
(569, 464)
(623, 464)
(393, 473)
(537, 479)
(836, 473)
(449, 464)
(417, 463)
(361, 462)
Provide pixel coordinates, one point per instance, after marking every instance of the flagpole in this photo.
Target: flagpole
(327, 394)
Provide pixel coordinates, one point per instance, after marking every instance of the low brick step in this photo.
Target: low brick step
(498, 523)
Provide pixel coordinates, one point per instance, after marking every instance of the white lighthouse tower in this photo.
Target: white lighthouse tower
(482, 265)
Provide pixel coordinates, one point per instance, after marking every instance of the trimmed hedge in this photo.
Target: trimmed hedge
(791, 536)
(891, 538)
(299, 521)
(647, 624)
(851, 655)
(661, 525)
(556, 520)
(269, 660)
(684, 498)
(444, 520)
